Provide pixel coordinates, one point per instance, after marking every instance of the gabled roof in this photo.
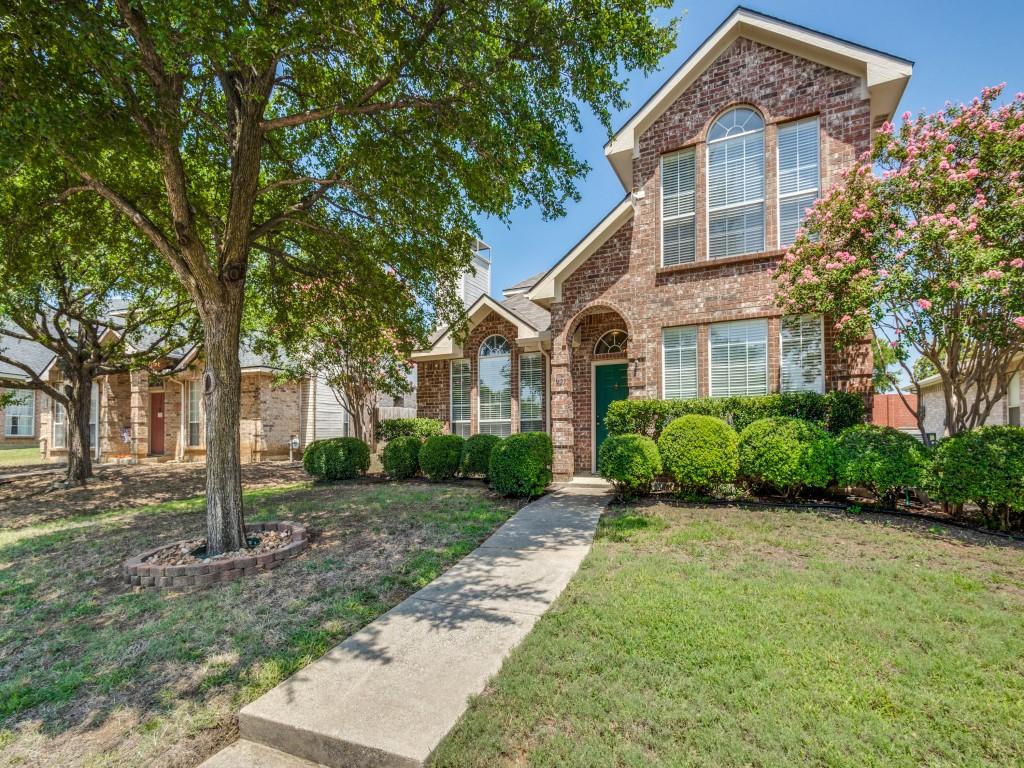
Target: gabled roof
(522, 286)
(31, 353)
(549, 287)
(529, 323)
(885, 76)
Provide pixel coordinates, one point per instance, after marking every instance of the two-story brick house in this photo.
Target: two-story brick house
(670, 295)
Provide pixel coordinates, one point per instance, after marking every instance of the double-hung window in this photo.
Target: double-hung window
(20, 415)
(195, 393)
(60, 426)
(798, 175)
(94, 415)
(678, 192)
(679, 358)
(531, 392)
(1013, 400)
(495, 387)
(736, 184)
(802, 348)
(460, 387)
(739, 358)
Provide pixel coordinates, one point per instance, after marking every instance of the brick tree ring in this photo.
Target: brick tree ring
(147, 570)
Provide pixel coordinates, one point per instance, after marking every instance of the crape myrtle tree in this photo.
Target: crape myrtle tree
(76, 279)
(395, 121)
(923, 242)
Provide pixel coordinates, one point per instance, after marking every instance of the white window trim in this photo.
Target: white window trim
(821, 389)
(193, 385)
(451, 396)
(480, 421)
(62, 422)
(679, 217)
(696, 350)
(540, 371)
(778, 177)
(7, 416)
(711, 383)
(746, 203)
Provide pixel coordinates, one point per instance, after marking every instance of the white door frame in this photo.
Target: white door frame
(593, 404)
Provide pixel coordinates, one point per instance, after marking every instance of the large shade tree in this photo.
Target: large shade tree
(923, 243)
(245, 124)
(76, 279)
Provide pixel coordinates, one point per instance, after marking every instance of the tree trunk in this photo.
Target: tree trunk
(222, 394)
(79, 393)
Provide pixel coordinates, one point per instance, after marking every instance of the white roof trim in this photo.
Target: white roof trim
(549, 287)
(884, 76)
(445, 347)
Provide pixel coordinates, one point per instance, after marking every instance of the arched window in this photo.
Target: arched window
(736, 184)
(495, 386)
(611, 342)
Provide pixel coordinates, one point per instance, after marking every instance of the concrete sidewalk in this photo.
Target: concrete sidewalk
(388, 694)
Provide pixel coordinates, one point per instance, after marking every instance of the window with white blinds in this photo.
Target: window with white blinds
(802, 348)
(739, 358)
(1013, 401)
(60, 426)
(798, 175)
(460, 387)
(20, 415)
(679, 363)
(531, 392)
(736, 184)
(495, 387)
(94, 415)
(195, 395)
(678, 192)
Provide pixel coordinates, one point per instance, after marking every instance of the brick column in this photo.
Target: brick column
(562, 413)
(140, 414)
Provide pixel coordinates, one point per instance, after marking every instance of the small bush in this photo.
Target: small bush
(630, 463)
(787, 455)
(881, 459)
(521, 464)
(401, 457)
(389, 429)
(700, 452)
(834, 411)
(476, 454)
(983, 467)
(338, 458)
(440, 457)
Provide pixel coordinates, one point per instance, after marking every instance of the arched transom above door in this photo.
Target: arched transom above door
(612, 342)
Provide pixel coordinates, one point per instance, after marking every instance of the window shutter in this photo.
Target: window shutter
(739, 358)
(679, 369)
(530, 393)
(678, 193)
(798, 175)
(803, 354)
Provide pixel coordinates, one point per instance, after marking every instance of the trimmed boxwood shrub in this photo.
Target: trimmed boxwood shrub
(700, 452)
(882, 459)
(389, 429)
(338, 458)
(984, 467)
(787, 455)
(401, 457)
(440, 457)
(834, 411)
(476, 454)
(521, 464)
(630, 463)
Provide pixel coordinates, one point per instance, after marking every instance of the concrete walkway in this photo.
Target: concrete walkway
(389, 693)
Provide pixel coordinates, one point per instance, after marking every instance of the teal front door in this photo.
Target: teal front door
(609, 386)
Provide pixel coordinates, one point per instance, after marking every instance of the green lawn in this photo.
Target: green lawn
(93, 673)
(731, 637)
(15, 457)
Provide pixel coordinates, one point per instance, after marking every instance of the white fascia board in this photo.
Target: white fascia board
(445, 347)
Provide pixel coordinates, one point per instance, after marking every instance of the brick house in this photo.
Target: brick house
(670, 294)
(21, 418)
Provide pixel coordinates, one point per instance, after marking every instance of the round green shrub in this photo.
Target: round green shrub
(630, 463)
(338, 458)
(521, 464)
(786, 454)
(882, 459)
(983, 467)
(440, 457)
(700, 452)
(389, 429)
(401, 457)
(476, 454)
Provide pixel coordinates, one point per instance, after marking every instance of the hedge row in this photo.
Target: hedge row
(337, 458)
(389, 429)
(833, 412)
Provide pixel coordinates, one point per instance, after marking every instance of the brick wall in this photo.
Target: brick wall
(624, 277)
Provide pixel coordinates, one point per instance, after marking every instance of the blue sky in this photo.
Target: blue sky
(957, 48)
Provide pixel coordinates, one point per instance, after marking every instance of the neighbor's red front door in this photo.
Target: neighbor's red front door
(156, 423)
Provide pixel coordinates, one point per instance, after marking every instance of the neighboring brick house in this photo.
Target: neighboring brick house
(21, 418)
(896, 411)
(670, 295)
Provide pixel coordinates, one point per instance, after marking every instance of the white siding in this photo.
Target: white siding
(473, 286)
(323, 415)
